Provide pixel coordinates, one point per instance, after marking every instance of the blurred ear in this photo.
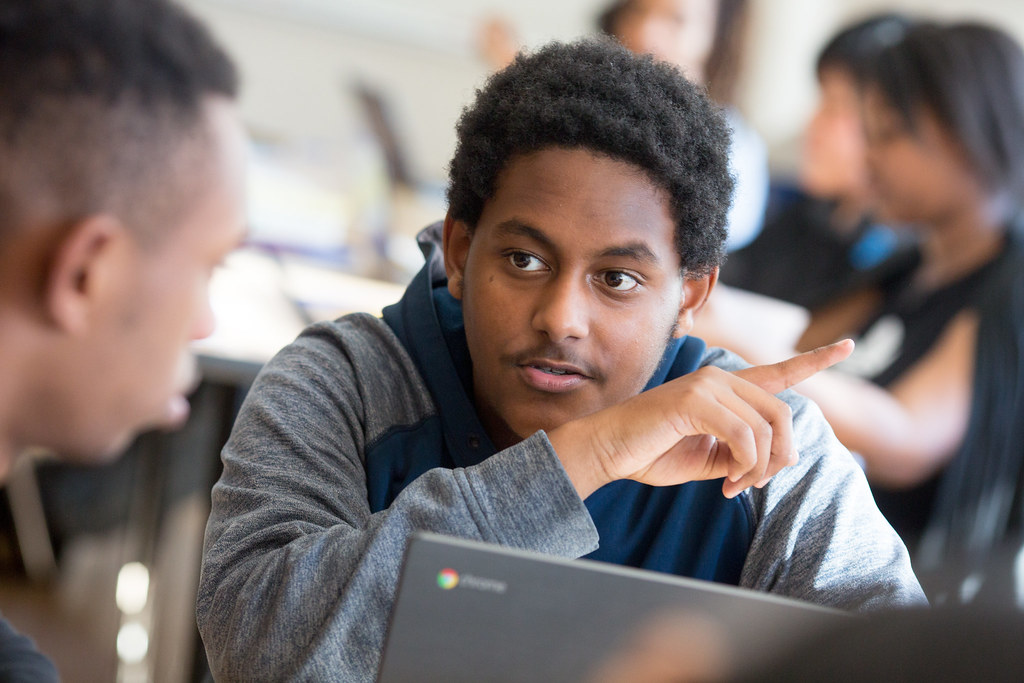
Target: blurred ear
(456, 250)
(84, 270)
(695, 294)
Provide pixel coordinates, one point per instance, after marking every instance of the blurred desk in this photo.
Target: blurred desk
(262, 301)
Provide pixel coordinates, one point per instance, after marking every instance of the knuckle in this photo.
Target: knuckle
(781, 412)
(702, 382)
(707, 374)
(762, 431)
(740, 434)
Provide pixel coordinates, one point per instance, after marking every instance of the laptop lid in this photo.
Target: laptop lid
(470, 611)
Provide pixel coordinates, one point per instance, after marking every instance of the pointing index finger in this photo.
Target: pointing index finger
(784, 374)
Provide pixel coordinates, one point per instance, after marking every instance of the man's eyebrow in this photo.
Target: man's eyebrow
(514, 226)
(638, 251)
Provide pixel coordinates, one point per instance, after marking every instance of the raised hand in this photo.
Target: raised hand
(705, 425)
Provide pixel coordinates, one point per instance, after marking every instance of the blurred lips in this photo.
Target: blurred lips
(188, 374)
(176, 408)
(176, 412)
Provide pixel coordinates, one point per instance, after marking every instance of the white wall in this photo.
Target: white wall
(297, 56)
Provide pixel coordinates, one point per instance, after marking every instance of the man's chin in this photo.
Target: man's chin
(525, 428)
(173, 417)
(98, 455)
(521, 420)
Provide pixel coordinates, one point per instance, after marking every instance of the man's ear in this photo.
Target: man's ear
(696, 291)
(83, 270)
(457, 237)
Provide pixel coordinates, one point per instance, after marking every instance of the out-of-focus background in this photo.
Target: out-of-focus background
(300, 58)
(352, 106)
(323, 80)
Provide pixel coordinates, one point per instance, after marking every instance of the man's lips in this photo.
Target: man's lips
(555, 367)
(177, 408)
(552, 376)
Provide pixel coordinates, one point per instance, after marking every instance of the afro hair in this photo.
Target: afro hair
(596, 95)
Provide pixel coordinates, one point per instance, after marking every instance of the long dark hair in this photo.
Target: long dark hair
(971, 77)
(854, 47)
(727, 49)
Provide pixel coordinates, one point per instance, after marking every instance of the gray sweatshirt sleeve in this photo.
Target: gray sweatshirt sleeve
(818, 534)
(298, 576)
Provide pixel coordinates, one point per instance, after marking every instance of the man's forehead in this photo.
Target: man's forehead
(605, 205)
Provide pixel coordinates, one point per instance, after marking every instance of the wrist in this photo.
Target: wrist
(573, 444)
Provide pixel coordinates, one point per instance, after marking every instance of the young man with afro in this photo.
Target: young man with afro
(503, 398)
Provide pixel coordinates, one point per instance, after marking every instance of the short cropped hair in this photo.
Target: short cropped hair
(970, 76)
(597, 95)
(101, 100)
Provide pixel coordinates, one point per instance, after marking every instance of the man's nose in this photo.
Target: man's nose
(564, 309)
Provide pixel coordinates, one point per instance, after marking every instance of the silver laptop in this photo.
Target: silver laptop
(470, 611)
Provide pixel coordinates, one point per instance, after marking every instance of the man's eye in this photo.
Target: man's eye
(619, 281)
(525, 261)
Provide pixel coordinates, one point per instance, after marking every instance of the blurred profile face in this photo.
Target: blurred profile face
(571, 288)
(138, 367)
(681, 32)
(919, 177)
(834, 162)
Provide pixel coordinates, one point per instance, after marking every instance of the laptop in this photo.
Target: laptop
(471, 611)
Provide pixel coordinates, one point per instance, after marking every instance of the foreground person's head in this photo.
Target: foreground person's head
(121, 172)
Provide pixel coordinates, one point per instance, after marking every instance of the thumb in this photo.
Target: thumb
(784, 374)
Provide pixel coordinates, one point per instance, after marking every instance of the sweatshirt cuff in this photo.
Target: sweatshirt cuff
(530, 501)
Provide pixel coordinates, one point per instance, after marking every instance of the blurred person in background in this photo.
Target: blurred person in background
(932, 399)
(825, 242)
(121, 171)
(705, 39)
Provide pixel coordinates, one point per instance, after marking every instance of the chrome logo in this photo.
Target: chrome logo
(447, 579)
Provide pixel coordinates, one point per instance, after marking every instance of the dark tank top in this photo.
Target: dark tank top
(905, 329)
